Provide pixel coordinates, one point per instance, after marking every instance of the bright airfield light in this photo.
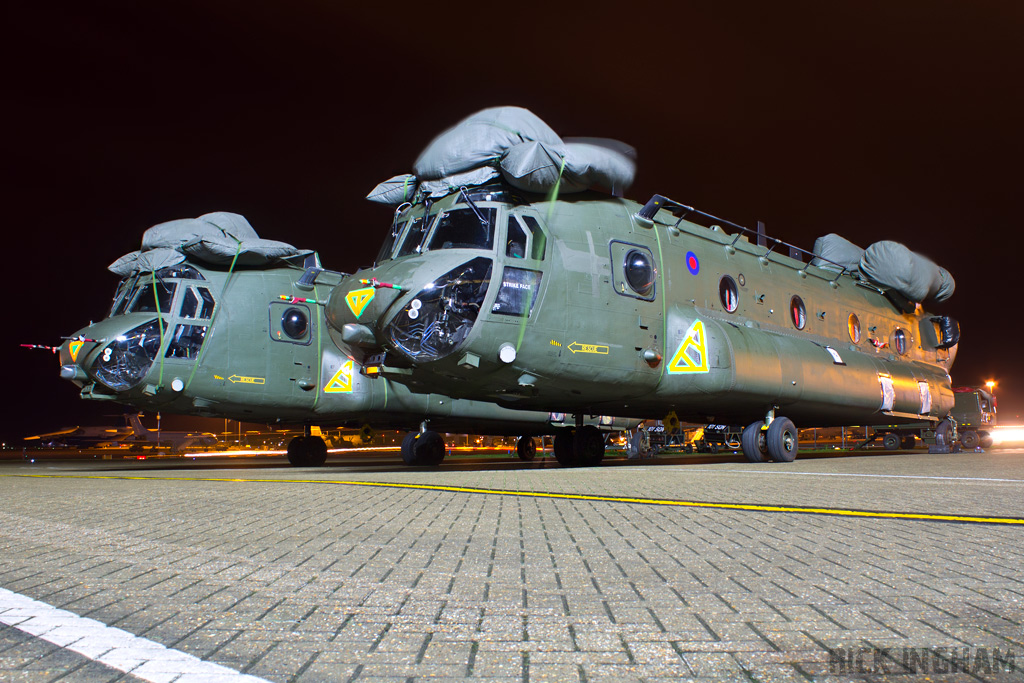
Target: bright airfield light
(1008, 434)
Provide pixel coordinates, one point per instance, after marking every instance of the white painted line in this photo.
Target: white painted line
(110, 646)
(844, 474)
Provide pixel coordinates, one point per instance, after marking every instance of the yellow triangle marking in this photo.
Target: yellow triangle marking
(341, 383)
(359, 299)
(692, 354)
(74, 347)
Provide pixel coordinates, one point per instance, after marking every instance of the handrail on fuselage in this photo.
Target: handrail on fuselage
(658, 202)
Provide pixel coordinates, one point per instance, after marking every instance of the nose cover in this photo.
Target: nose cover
(439, 318)
(126, 360)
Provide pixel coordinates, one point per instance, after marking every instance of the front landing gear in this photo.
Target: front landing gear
(579, 446)
(526, 448)
(423, 448)
(307, 451)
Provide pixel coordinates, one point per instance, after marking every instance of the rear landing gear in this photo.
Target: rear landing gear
(307, 451)
(779, 441)
(754, 442)
(782, 439)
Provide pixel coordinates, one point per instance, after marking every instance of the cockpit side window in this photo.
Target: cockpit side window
(539, 238)
(123, 295)
(464, 229)
(389, 242)
(197, 302)
(414, 236)
(516, 240)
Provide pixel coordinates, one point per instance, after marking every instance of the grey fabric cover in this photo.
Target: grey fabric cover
(175, 233)
(213, 238)
(443, 186)
(916, 277)
(396, 190)
(838, 250)
(154, 259)
(530, 156)
(479, 140)
(221, 250)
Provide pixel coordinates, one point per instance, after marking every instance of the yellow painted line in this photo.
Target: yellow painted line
(750, 507)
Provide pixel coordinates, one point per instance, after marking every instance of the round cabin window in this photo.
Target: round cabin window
(294, 323)
(798, 312)
(639, 272)
(899, 341)
(854, 326)
(728, 293)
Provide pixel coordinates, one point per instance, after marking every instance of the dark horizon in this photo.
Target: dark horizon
(866, 119)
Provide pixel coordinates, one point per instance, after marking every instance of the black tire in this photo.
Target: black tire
(943, 433)
(986, 440)
(316, 451)
(407, 454)
(298, 454)
(782, 440)
(423, 449)
(754, 442)
(565, 454)
(588, 445)
(908, 442)
(970, 439)
(891, 442)
(639, 445)
(526, 448)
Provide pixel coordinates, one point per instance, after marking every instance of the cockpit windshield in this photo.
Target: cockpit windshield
(464, 229)
(127, 298)
(461, 228)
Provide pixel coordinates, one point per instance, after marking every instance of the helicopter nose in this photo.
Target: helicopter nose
(72, 354)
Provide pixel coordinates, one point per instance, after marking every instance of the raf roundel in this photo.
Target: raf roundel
(692, 263)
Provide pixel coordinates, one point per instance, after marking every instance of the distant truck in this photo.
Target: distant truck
(974, 411)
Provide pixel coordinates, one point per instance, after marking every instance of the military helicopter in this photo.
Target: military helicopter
(210, 320)
(497, 286)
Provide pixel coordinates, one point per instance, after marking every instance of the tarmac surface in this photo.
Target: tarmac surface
(869, 567)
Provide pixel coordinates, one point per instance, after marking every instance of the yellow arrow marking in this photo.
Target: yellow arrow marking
(359, 299)
(696, 341)
(341, 382)
(236, 379)
(577, 347)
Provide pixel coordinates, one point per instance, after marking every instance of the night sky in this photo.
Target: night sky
(876, 120)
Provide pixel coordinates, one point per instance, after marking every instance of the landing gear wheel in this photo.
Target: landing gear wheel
(782, 440)
(297, 452)
(908, 441)
(307, 451)
(316, 451)
(970, 439)
(526, 449)
(588, 446)
(944, 434)
(563, 446)
(426, 448)
(754, 442)
(639, 445)
(891, 442)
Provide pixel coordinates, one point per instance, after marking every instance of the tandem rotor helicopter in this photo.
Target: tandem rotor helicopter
(505, 277)
(511, 282)
(211, 320)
